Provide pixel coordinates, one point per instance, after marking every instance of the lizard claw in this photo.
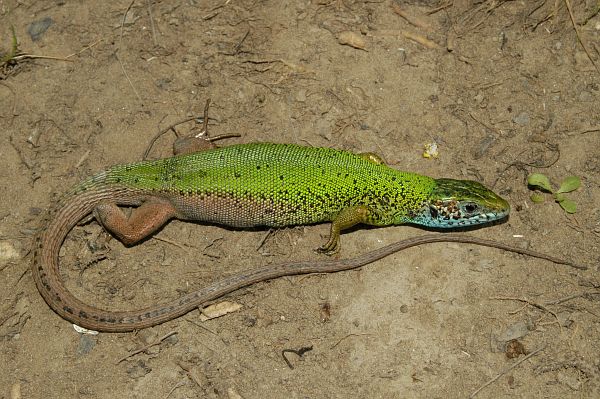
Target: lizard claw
(330, 248)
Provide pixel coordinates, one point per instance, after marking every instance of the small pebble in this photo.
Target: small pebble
(37, 28)
(522, 119)
(232, 394)
(301, 96)
(86, 344)
(484, 145)
(15, 391)
(515, 331)
(402, 55)
(479, 98)
(586, 97)
(8, 252)
(352, 39)
(138, 369)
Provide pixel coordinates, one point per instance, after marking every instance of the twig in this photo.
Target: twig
(587, 52)
(410, 18)
(241, 42)
(33, 56)
(129, 80)
(527, 301)
(440, 8)
(28, 164)
(119, 48)
(178, 385)
(505, 371)
(89, 46)
(264, 239)
(300, 352)
(152, 23)
(534, 304)
(15, 55)
(82, 159)
(570, 297)
(204, 131)
(203, 328)
(347, 336)
(213, 12)
(421, 40)
(123, 21)
(157, 342)
(586, 130)
(168, 241)
(170, 127)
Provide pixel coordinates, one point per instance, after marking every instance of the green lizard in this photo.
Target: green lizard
(248, 185)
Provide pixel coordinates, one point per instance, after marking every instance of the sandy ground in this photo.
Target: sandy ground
(503, 87)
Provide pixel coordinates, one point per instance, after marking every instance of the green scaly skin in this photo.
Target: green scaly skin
(251, 185)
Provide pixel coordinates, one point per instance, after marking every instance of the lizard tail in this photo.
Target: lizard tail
(45, 269)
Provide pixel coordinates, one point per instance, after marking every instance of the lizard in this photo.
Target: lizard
(256, 184)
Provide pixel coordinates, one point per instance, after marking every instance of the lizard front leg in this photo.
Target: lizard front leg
(143, 221)
(344, 220)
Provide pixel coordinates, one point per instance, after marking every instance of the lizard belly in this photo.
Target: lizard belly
(242, 212)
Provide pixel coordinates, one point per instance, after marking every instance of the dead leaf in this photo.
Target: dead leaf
(352, 39)
(219, 309)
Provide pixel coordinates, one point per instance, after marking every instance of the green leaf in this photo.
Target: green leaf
(559, 197)
(539, 180)
(537, 198)
(571, 183)
(568, 205)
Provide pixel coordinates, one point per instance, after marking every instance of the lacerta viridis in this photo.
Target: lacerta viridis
(248, 185)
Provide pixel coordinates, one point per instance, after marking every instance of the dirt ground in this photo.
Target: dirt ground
(504, 88)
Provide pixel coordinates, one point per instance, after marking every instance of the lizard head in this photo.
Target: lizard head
(460, 203)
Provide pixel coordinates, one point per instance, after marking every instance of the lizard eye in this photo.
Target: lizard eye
(471, 207)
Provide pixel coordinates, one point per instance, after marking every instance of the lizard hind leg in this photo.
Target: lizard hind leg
(345, 219)
(143, 221)
(195, 142)
(190, 144)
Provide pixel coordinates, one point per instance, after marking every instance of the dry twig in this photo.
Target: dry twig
(505, 371)
(165, 130)
(587, 52)
(152, 22)
(150, 345)
(119, 59)
(421, 40)
(411, 19)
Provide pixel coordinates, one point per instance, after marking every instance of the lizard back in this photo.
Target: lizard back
(274, 185)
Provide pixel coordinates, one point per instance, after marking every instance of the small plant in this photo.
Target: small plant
(5, 58)
(542, 183)
(9, 59)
